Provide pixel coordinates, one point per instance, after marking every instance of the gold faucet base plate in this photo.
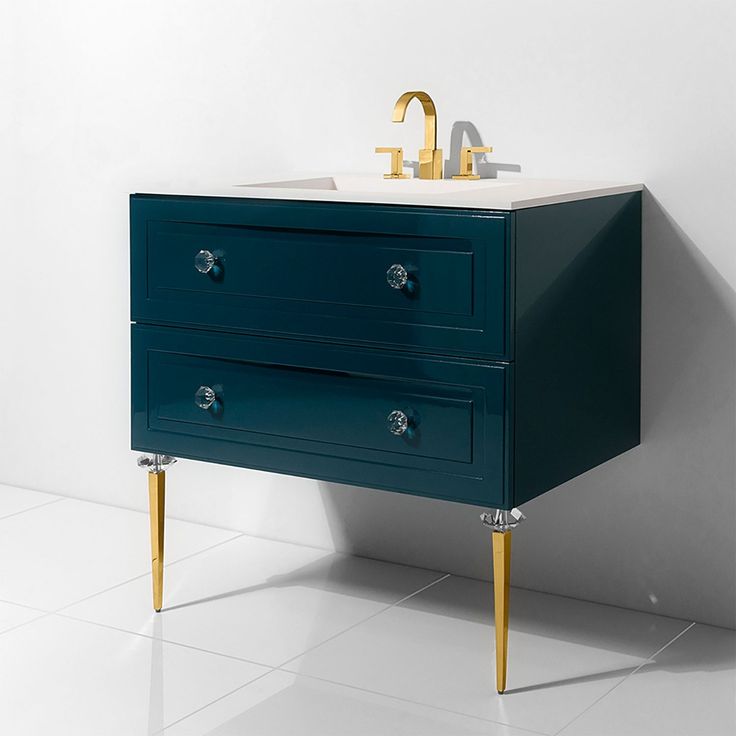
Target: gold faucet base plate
(466, 177)
(396, 176)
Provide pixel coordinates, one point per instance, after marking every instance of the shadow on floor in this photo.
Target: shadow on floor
(335, 573)
(621, 534)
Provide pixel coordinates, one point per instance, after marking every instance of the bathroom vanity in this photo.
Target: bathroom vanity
(472, 341)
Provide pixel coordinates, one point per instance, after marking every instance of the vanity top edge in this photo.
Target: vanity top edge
(504, 194)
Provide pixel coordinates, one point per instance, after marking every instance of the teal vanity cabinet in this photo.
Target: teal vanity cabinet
(469, 354)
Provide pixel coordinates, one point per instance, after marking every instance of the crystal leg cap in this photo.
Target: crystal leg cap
(156, 463)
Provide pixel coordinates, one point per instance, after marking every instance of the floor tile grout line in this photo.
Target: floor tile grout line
(44, 614)
(236, 532)
(32, 508)
(411, 702)
(291, 543)
(443, 576)
(281, 668)
(662, 648)
(60, 613)
(626, 677)
(239, 533)
(368, 618)
(40, 491)
(270, 668)
(25, 605)
(216, 700)
(588, 601)
(159, 639)
(110, 505)
(99, 592)
(236, 535)
(167, 565)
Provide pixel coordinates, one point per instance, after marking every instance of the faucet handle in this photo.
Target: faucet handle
(466, 161)
(397, 162)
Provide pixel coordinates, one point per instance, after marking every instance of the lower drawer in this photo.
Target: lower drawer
(420, 425)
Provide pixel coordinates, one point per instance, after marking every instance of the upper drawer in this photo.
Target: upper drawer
(318, 270)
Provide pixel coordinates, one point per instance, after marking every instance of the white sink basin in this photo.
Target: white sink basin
(378, 184)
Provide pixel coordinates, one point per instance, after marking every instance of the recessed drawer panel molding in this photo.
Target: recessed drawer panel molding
(435, 281)
(364, 417)
(315, 268)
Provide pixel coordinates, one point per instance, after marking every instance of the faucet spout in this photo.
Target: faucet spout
(430, 115)
(430, 157)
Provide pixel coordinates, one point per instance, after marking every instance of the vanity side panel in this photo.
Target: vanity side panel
(578, 339)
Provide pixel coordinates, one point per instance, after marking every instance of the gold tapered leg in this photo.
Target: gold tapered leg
(501, 577)
(156, 493)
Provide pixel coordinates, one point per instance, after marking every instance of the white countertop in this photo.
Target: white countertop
(506, 193)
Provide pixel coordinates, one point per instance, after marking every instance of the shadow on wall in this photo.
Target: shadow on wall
(653, 529)
(464, 130)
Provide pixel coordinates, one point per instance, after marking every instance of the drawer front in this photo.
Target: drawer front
(317, 270)
(323, 411)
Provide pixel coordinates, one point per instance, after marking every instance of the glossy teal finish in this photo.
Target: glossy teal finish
(578, 316)
(316, 270)
(515, 349)
(320, 411)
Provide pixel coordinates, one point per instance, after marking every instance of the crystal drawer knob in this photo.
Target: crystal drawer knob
(397, 422)
(204, 261)
(205, 397)
(397, 276)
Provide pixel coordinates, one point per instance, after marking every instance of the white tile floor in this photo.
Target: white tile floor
(271, 639)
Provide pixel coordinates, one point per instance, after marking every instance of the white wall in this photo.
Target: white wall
(98, 99)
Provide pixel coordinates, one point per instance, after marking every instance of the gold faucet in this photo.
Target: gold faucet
(397, 162)
(430, 157)
(466, 161)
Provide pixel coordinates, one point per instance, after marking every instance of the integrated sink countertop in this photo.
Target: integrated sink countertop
(508, 193)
